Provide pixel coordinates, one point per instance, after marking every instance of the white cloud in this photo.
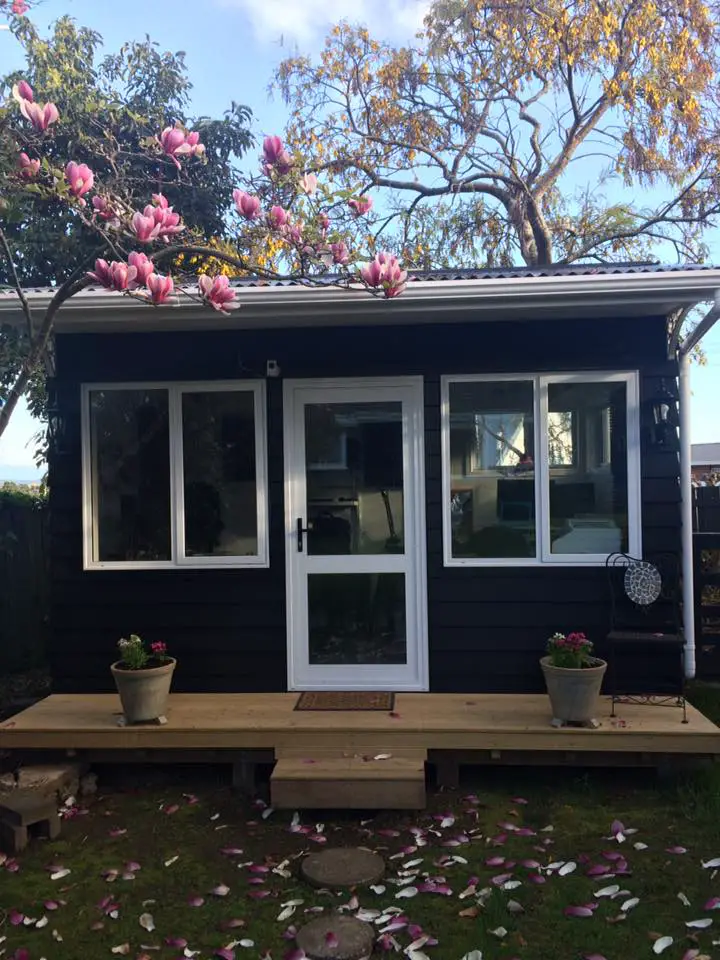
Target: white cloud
(304, 22)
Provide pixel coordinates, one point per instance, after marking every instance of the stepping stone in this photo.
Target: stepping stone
(342, 867)
(336, 937)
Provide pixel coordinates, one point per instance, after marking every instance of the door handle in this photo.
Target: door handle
(300, 531)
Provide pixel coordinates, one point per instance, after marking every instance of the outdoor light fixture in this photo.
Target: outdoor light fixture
(662, 402)
(55, 424)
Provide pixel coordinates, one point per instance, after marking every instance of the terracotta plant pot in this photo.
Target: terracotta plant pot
(143, 693)
(574, 693)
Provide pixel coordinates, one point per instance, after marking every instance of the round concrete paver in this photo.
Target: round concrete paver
(342, 867)
(336, 937)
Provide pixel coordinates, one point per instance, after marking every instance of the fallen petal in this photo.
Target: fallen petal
(662, 943)
(699, 924)
(146, 922)
(578, 912)
(221, 890)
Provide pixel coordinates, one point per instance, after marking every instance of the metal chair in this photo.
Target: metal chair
(645, 641)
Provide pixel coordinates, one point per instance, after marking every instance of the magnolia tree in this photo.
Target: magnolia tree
(288, 224)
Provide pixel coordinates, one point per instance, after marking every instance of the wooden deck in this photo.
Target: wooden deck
(493, 723)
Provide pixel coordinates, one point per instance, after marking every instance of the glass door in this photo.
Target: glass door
(355, 534)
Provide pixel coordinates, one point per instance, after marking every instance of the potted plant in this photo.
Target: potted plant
(143, 677)
(573, 678)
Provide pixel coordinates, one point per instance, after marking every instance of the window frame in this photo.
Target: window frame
(541, 381)
(175, 391)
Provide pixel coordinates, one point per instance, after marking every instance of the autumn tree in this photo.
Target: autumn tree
(557, 131)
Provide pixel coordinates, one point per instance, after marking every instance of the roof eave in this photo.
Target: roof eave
(530, 297)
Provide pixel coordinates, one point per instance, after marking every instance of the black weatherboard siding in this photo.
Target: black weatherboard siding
(487, 626)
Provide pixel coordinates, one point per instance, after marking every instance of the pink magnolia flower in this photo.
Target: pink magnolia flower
(277, 217)
(19, 8)
(309, 183)
(23, 91)
(160, 287)
(165, 218)
(171, 140)
(193, 147)
(144, 227)
(385, 272)
(276, 156)
(80, 178)
(246, 205)
(29, 169)
(160, 200)
(294, 232)
(176, 143)
(217, 292)
(40, 115)
(361, 206)
(113, 276)
(102, 207)
(143, 266)
(323, 221)
(340, 253)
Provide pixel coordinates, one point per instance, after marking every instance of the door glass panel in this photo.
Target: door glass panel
(354, 476)
(357, 618)
(587, 443)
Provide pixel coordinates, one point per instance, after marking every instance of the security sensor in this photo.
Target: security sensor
(272, 370)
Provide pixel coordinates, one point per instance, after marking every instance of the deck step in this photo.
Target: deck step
(356, 782)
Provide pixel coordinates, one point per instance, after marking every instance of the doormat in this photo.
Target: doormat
(345, 700)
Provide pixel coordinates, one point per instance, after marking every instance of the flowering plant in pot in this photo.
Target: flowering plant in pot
(143, 676)
(573, 677)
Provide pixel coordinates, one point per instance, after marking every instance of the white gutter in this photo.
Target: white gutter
(688, 584)
(648, 292)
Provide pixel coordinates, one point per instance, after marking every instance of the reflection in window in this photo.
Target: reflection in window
(357, 618)
(354, 477)
(130, 471)
(219, 476)
(492, 469)
(589, 496)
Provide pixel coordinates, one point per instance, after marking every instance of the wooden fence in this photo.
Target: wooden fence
(24, 581)
(706, 550)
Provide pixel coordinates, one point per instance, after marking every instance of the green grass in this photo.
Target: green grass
(580, 809)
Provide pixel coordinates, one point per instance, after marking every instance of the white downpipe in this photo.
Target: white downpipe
(688, 587)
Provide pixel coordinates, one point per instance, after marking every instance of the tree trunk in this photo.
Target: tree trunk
(532, 231)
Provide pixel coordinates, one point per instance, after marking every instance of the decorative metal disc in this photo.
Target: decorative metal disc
(643, 583)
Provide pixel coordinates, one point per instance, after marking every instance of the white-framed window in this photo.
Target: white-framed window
(174, 475)
(540, 468)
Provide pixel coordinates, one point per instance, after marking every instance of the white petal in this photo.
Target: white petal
(378, 888)
(699, 924)
(608, 891)
(499, 932)
(146, 922)
(683, 899)
(715, 862)
(662, 943)
(567, 868)
(629, 904)
(407, 892)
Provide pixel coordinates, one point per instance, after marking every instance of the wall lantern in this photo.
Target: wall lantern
(55, 423)
(662, 402)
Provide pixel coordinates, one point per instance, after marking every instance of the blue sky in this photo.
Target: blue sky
(232, 47)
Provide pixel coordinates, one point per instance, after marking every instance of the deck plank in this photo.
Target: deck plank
(424, 720)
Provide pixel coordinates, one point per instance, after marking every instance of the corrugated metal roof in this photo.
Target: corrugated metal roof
(471, 273)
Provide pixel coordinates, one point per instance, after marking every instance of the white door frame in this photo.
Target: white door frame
(301, 674)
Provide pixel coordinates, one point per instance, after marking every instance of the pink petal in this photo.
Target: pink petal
(259, 894)
(712, 904)
(578, 912)
(677, 850)
(521, 800)
(331, 940)
(225, 954)
(195, 901)
(172, 808)
(16, 918)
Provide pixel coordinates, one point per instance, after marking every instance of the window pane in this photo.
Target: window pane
(587, 430)
(219, 477)
(357, 618)
(130, 458)
(492, 472)
(354, 477)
